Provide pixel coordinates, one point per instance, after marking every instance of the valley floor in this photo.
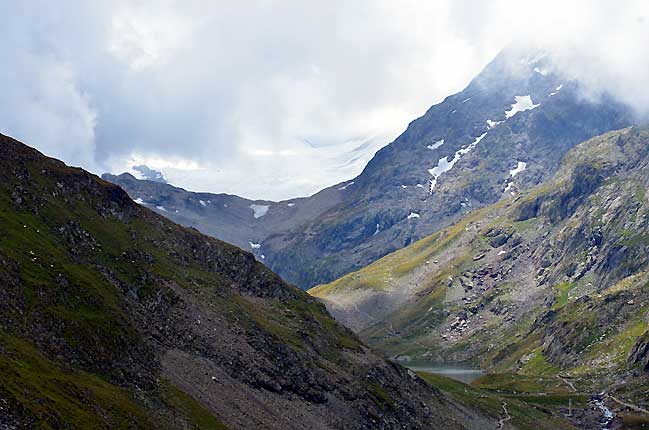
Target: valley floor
(541, 402)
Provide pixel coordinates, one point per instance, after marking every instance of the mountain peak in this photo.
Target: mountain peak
(456, 158)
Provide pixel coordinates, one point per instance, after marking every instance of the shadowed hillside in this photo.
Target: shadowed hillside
(111, 316)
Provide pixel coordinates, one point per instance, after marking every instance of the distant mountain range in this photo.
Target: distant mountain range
(506, 132)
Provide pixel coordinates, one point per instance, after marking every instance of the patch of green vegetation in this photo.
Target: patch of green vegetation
(57, 398)
(635, 281)
(557, 400)
(539, 365)
(198, 417)
(384, 273)
(515, 383)
(632, 239)
(513, 348)
(271, 323)
(640, 193)
(381, 396)
(563, 292)
(298, 323)
(526, 225)
(304, 310)
(527, 411)
(58, 289)
(616, 347)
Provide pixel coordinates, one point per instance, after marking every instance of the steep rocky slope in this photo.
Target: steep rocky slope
(554, 281)
(507, 131)
(111, 316)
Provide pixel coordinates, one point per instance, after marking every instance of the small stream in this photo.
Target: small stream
(607, 414)
(458, 372)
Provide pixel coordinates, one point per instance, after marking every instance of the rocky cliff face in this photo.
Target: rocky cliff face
(640, 353)
(551, 280)
(112, 316)
(506, 132)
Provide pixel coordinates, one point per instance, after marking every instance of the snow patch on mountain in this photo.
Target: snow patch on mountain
(469, 148)
(254, 245)
(521, 104)
(259, 210)
(413, 215)
(519, 168)
(491, 123)
(443, 165)
(436, 144)
(344, 187)
(556, 90)
(541, 71)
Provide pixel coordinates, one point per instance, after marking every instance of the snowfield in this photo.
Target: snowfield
(259, 210)
(436, 144)
(491, 123)
(519, 168)
(521, 104)
(443, 165)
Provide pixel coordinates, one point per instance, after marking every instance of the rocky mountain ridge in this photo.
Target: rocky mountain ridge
(506, 132)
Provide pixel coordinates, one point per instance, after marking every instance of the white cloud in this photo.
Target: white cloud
(43, 105)
(266, 98)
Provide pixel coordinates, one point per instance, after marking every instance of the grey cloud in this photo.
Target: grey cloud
(224, 97)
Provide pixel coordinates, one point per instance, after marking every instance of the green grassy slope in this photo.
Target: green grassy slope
(114, 317)
(549, 282)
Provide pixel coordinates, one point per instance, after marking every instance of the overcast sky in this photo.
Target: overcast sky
(272, 99)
